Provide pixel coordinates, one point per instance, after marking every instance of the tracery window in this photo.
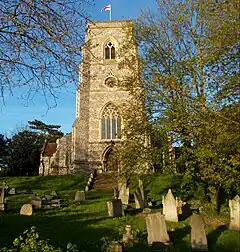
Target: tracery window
(109, 51)
(110, 123)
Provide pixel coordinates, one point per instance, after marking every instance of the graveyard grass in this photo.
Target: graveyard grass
(87, 224)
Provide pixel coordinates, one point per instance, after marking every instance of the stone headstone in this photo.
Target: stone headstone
(115, 208)
(198, 234)
(170, 207)
(234, 206)
(26, 209)
(48, 197)
(180, 204)
(115, 193)
(123, 193)
(12, 191)
(56, 203)
(128, 236)
(79, 196)
(140, 199)
(54, 194)
(116, 247)
(157, 229)
(36, 203)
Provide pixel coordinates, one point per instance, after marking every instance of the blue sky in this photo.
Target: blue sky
(16, 113)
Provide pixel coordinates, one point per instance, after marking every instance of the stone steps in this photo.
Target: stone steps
(105, 180)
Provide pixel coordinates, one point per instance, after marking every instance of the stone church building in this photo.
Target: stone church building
(97, 129)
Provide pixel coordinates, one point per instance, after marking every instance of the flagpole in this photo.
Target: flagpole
(110, 12)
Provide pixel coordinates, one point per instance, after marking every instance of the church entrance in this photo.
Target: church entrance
(111, 162)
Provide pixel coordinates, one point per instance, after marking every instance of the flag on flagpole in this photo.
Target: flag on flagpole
(106, 8)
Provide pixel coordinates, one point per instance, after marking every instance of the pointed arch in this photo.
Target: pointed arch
(110, 122)
(109, 48)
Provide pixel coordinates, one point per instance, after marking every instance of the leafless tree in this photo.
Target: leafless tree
(40, 45)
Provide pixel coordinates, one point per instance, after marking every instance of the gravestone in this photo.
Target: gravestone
(26, 209)
(54, 194)
(234, 206)
(37, 202)
(116, 247)
(180, 204)
(2, 205)
(56, 203)
(115, 208)
(12, 191)
(157, 229)
(198, 234)
(115, 193)
(140, 199)
(123, 193)
(128, 236)
(170, 207)
(79, 196)
(48, 197)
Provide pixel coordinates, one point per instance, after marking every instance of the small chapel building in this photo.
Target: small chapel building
(98, 126)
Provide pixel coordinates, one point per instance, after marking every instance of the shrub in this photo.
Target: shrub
(30, 242)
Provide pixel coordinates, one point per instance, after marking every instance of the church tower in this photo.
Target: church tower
(101, 94)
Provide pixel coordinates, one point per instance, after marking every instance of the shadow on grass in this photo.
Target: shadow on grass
(59, 230)
(213, 237)
(176, 237)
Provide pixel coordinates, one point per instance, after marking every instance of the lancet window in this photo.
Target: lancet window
(110, 123)
(109, 51)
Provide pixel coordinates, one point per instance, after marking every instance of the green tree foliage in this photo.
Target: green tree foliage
(24, 153)
(40, 45)
(47, 131)
(190, 56)
(4, 152)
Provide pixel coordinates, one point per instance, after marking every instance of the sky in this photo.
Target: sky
(15, 112)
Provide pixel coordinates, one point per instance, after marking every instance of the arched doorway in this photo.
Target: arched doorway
(110, 160)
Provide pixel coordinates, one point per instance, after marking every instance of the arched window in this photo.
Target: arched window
(109, 51)
(110, 123)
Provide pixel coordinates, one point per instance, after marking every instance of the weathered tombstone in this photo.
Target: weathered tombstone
(123, 193)
(2, 205)
(12, 191)
(116, 247)
(86, 188)
(157, 229)
(56, 203)
(54, 194)
(26, 209)
(180, 204)
(234, 206)
(170, 207)
(198, 234)
(115, 208)
(79, 196)
(37, 203)
(128, 236)
(48, 197)
(140, 199)
(115, 193)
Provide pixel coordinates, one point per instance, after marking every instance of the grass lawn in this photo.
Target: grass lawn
(87, 224)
